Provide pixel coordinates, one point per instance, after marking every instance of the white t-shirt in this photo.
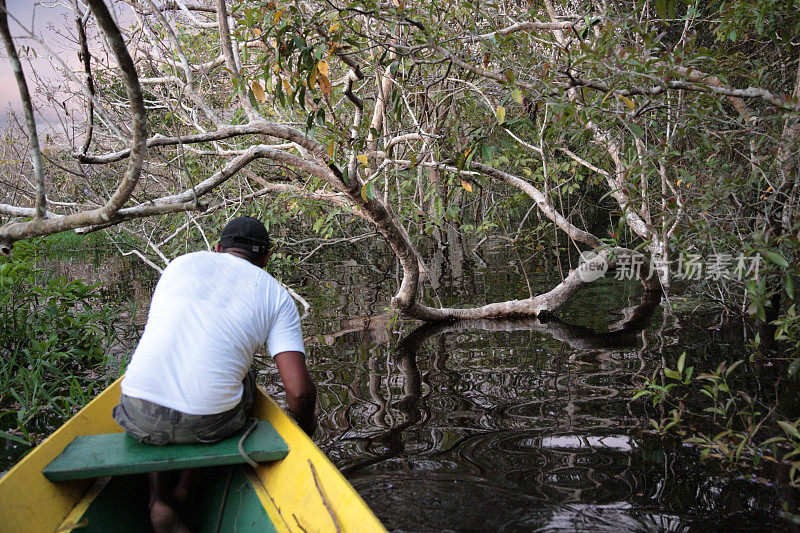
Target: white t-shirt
(210, 313)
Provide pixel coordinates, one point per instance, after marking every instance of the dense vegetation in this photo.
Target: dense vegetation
(56, 338)
(659, 133)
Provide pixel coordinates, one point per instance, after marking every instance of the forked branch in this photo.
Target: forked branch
(44, 226)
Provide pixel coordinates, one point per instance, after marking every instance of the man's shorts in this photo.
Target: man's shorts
(152, 423)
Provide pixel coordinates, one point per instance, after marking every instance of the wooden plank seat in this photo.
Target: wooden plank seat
(118, 454)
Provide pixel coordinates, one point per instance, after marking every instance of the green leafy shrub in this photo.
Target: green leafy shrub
(54, 336)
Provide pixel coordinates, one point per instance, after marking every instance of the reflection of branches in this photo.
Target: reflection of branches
(405, 359)
(634, 319)
(379, 416)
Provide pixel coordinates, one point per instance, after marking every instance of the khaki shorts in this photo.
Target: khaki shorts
(152, 423)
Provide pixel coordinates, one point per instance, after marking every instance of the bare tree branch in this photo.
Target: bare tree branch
(86, 58)
(224, 132)
(523, 26)
(653, 90)
(27, 105)
(15, 231)
(230, 61)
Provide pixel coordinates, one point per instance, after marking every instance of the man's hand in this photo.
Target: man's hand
(301, 393)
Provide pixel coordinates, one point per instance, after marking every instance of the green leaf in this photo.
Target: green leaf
(14, 438)
(794, 366)
(789, 286)
(661, 9)
(756, 309)
(368, 191)
(252, 98)
(681, 362)
(500, 112)
(775, 257)
(516, 95)
(723, 448)
(733, 367)
(789, 429)
(791, 454)
(739, 449)
(636, 130)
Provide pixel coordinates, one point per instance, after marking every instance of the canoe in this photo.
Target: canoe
(302, 492)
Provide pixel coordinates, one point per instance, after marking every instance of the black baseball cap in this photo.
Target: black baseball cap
(246, 233)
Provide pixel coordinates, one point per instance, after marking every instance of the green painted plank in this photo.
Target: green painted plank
(118, 454)
(241, 509)
(122, 507)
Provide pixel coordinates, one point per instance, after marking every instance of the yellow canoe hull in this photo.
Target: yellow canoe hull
(303, 492)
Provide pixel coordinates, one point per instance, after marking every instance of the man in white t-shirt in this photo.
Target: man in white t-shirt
(189, 379)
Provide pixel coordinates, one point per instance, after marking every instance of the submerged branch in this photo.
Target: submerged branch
(542, 305)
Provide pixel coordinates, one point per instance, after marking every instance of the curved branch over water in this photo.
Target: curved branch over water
(316, 161)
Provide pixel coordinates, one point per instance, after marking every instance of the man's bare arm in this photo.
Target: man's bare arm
(301, 393)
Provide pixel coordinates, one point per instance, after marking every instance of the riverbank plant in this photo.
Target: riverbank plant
(54, 337)
(717, 413)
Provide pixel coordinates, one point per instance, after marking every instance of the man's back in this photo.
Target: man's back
(189, 380)
(210, 312)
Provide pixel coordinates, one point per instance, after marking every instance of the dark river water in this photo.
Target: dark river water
(516, 425)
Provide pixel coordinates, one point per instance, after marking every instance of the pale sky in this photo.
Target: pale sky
(49, 19)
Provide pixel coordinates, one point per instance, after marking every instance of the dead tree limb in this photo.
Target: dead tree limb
(27, 105)
(86, 58)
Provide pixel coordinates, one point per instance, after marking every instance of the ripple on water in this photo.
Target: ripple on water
(452, 437)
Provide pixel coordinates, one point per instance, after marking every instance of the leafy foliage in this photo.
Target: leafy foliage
(54, 337)
(713, 411)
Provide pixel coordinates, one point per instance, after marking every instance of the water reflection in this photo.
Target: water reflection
(515, 425)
